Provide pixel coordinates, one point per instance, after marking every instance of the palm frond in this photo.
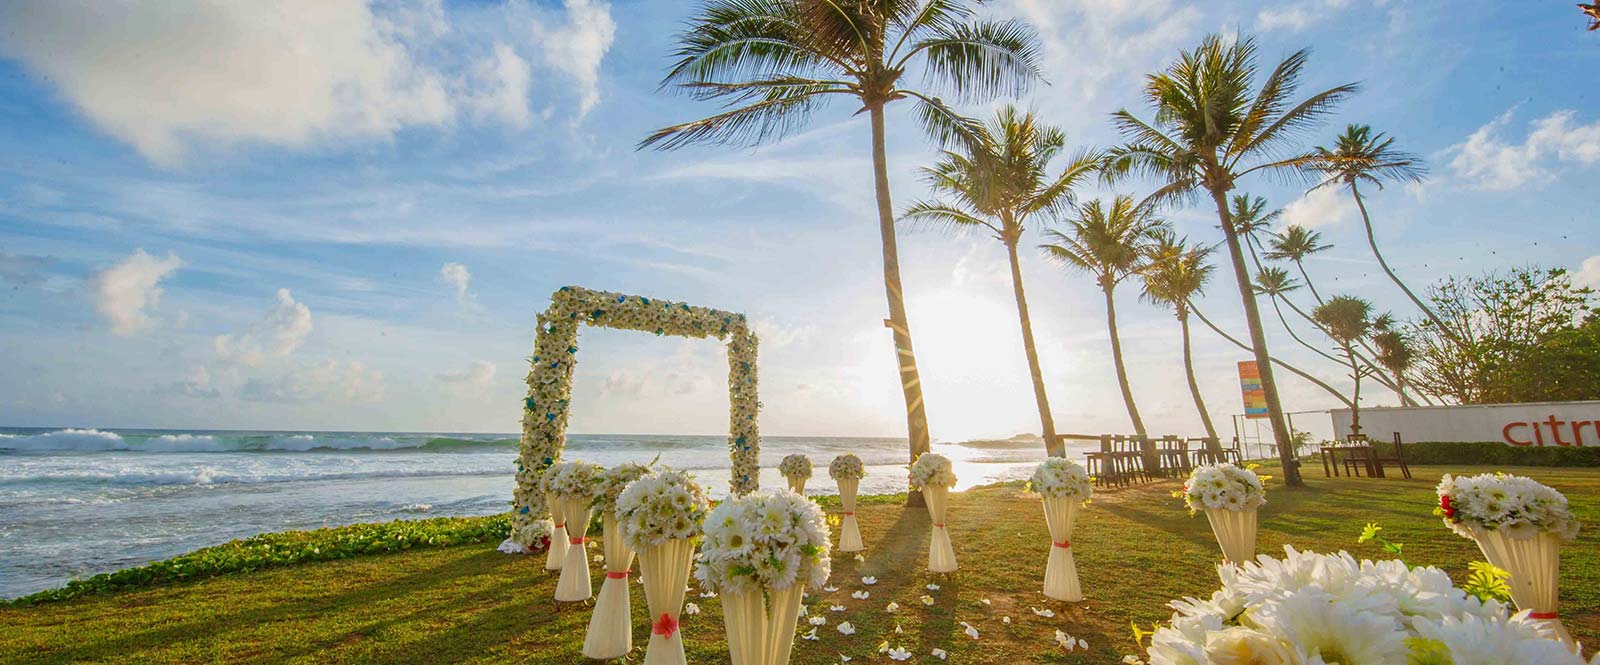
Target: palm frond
(940, 216)
(980, 60)
(753, 123)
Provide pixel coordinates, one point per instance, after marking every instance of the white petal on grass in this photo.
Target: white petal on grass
(845, 628)
(691, 609)
(860, 595)
(927, 600)
(869, 580)
(971, 632)
(818, 621)
(1046, 613)
(940, 653)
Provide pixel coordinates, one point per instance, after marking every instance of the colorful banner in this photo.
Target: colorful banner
(1255, 398)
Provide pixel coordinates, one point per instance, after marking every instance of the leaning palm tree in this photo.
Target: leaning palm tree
(772, 63)
(1111, 243)
(1211, 128)
(1252, 220)
(1178, 272)
(1361, 156)
(1294, 243)
(1345, 318)
(1000, 184)
(1395, 351)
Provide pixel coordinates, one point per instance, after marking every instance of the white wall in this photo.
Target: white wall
(1530, 424)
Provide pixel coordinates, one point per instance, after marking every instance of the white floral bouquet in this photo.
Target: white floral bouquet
(610, 483)
(536, 535)
(1330, 608)
(572, 479)
(795, 466)
(1223, 486)
(1059, 477)
(1520, 506)
(846, 466)
(661, 507)
(932, 470)
(767, 541)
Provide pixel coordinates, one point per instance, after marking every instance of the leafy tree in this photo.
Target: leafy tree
(1525, 336)
(999, 185)
(1347, 319)
(1111, 243)
(1212, 127)
(1394, 350)
(1294, 243)
(772, 63)
(1179, 272)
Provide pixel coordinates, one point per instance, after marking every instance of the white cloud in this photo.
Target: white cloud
(277, 334)
(1588, 273)
(1486, 161)
(459, 278)
(162, 76)
(197, 384)
(506, 79)
(773, 335)
(328, 380)
(576, 44)
(122, 292)
(477, 375)
(1297, 16)
(1319, 208)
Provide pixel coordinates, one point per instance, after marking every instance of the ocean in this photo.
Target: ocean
(77, 502)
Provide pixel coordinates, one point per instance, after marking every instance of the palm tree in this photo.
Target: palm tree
(999, 185)
(1275, 360)
(1395, 351)
(1252, 220)
(1178, 272)
(1294, 243)
(1345, 318)
(1360, 156)
(1276, 284)
(1111, 243)
(775, 62)
(1210, 129)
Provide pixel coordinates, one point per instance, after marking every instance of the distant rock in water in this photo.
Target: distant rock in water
(1024, 440)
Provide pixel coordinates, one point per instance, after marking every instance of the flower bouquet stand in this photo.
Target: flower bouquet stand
(934, 476)
(572, 486)
(1519, 524)
(557, 553)
(761, 602)
(1064, 487)
(847, 470)
(610, 627)
(659, 516)
(796, 469)
(1230, 497)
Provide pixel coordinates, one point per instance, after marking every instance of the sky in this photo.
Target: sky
(338, 214)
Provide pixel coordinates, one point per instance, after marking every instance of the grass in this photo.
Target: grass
(1136, 549)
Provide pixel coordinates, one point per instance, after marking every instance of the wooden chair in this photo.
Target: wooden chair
(1174, 454)
(1358, 456)
(1201, 454)
(1101, 465)
(1129, 457)
(1234, 454)
(1398, 459)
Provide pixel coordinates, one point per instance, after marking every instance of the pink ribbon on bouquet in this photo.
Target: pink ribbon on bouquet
(665, 626)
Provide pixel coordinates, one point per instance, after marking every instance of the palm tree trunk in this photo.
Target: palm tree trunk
(910, 382)
(1292, 369)
(1258, 342)
(1307, 279)
(1355, 401)
(1372, 242)
(1194, 386)
(1122, 370)
(1052, 445)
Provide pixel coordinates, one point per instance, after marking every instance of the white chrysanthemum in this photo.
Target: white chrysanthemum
(1058, 477)
(1475, 640)
(1519, 506)
(932, 470)
(771, 540)
(1223, 486)
(572, 480)
(846, 466)
(610, 483)
(658, 508)
(796, 466)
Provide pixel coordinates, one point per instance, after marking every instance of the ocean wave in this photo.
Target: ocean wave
(94, 440)
(215, 476)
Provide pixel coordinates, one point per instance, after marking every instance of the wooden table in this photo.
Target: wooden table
(1331, 454)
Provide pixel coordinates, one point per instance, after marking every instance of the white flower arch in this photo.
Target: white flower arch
(555, 353)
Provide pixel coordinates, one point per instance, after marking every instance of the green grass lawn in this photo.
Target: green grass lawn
(1136, 549)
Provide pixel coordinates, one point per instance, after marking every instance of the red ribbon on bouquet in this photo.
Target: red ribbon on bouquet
(665, 626)
(562, 525)
(1063, 544)
(618, 576)
(938, 525)
(579, 541)
(1542, 616)
(849, 513)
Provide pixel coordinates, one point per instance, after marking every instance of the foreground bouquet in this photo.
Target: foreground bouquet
(761, 553)
(934, 476)
(1230, 497)
(796, 469)
(848, 471)
(659, 517)
(1065, 487)
(571, 487)
(1519, 524)
(1322, 608)
(610, 629)
(535, 533)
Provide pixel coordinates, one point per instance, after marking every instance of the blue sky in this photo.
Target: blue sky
(346, 215)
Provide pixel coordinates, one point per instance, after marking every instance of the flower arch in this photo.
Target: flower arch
(555, 353)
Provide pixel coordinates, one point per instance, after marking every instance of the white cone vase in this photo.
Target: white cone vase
(797, 484)
(1236, 533)
(1535, 566)
(574, 584)
(761, 626)
(665, 568)
(611, 628)
(558, 536)
(849, 531)
(941, 556)
(1061, 572)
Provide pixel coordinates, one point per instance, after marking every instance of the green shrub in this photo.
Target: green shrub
(1498, 454)
(271, 550)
